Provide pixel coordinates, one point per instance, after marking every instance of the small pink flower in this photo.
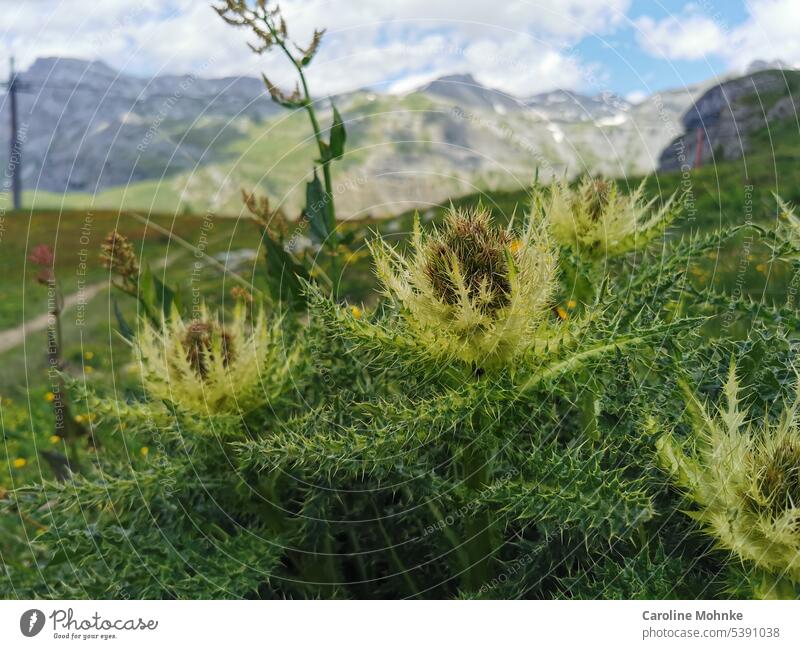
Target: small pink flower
(42, 255)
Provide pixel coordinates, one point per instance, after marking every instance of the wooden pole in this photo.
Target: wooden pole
(15, 152)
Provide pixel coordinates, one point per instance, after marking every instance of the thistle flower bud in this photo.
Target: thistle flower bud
(744, 480)
(274, 222)
(118, 255)
(596, 219)
(472, 291)
(205, 366)
(471, 244)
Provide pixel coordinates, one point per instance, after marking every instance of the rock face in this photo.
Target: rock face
(187, 143)
(719, 125)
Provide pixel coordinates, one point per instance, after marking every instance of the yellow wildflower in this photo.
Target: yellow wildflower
(88, 355)
(353, 257)
(20, 462)
(50, 396)
(144, 451)
(357, 313)
(55, 439)
(572, 304)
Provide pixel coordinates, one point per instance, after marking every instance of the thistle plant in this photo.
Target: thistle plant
(427, 446)
(209, 366)
(597, 220)
(744, 482)
(594, 222)
(270, 31)
(472, 291)
(785, 239)
(423, 448)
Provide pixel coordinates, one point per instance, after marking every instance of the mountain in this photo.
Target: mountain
(464, 91)
(568, 106)
(775, 64)
(88, 126)
(735, 118)
(185, 143)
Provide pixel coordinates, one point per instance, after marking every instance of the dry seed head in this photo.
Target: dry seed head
(241, 293)
(272, 221)
(268, 26)
(118, 255)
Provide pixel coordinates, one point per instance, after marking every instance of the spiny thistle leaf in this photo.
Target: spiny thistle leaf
(744, 482)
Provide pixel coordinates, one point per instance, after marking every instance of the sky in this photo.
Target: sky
(629, 47)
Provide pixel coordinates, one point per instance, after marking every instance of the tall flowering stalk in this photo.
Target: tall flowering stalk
(269, 30)
(66, 427)
(156, 299)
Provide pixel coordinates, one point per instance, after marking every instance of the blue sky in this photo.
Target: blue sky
(631, 65)
(629, 47)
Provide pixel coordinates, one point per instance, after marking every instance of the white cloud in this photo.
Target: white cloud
(687, 37)
(521, 46)
(769, 32)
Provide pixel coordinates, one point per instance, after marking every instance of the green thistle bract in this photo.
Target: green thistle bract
(744, 481)
(598, 220)
(208, 366)
(472, 291)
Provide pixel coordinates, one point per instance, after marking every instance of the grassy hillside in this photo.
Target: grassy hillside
(401, 151)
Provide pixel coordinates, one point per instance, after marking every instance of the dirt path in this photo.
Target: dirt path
(10, 338)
